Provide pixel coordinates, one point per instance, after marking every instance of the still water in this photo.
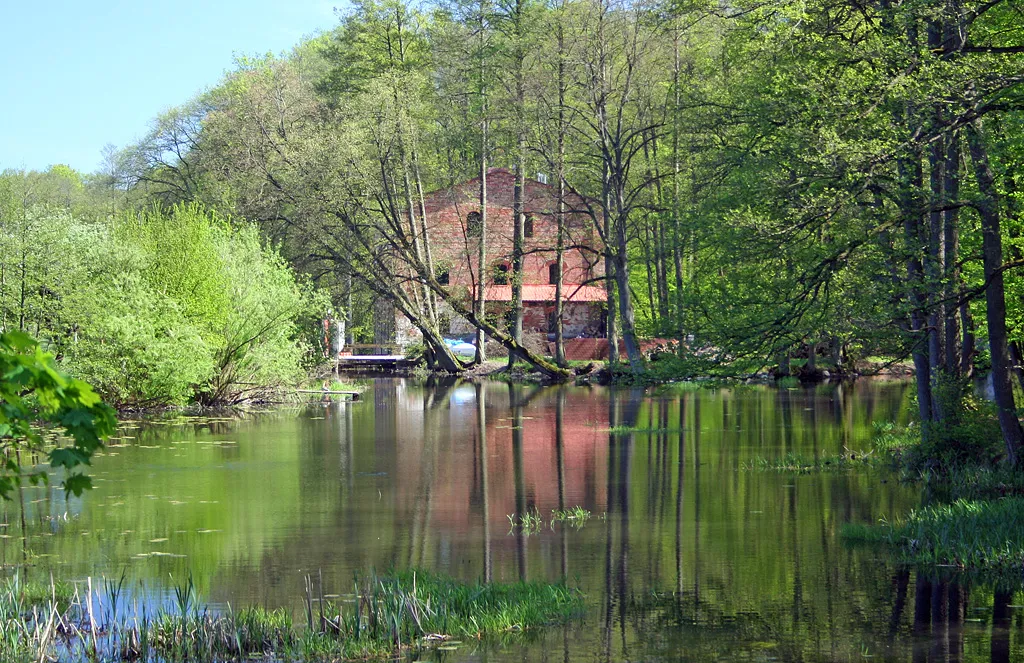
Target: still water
(688, 556)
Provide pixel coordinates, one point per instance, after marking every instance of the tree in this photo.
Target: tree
(31, 390)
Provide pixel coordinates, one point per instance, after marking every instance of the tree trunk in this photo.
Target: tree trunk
(935, 255)
(625, 299)
(609, 274)
(518, 252)
(1015, 363)
(910, 181)
(784, 369)
(967, 347)
(519, 191)
(951, 189)
(560, 174)
(995, 299)
(481, 260)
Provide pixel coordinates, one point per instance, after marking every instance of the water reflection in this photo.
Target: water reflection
(687, 556)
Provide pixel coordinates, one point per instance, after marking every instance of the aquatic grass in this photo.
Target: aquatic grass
(801, 464)
(686, 386)
(788, 382)
(891, 437)
(384, 615)
(985, 538)
(531, 522)
(528, 523)
(30, 614)
(575, 517)
(974, 482)
(625, 430)
(948, 472)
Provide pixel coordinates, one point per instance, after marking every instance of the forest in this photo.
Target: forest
(769, 181)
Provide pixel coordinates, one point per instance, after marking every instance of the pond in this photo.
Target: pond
(688, 554)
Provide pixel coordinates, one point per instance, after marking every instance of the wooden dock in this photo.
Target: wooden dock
(374, 362)
(354, 395)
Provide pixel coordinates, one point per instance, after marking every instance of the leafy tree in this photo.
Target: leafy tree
(32, 390)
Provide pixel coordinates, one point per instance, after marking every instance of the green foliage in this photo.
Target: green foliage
(890, 437)
(389, 614)
(802, 464)
(969, 436)
(32, 390)
(981, 538)
(182, 258)
(159, 307)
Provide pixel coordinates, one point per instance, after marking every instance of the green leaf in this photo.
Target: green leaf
(68, 457)
(76, 483)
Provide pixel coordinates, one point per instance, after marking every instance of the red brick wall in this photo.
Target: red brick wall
(448, 209)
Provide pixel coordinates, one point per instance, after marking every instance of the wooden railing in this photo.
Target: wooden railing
(389, 348)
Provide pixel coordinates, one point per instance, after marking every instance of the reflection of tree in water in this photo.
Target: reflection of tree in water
(927, 624)
(682, 626)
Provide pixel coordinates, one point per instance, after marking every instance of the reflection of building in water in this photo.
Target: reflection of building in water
(454, 454)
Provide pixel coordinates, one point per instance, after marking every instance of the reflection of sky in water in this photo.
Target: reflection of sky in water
(463, 395)
(687, 556)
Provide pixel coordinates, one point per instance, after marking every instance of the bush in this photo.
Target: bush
(160, 307)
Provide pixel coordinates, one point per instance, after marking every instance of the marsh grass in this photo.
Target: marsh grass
(625, 430)
(801, 464)
(527, 523)
(983, 538)
(575, 517)
(686, 386)
(532, 522)
(383, 616)
(891, 437)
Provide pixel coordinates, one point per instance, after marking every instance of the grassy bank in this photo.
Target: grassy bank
(973, 523)
(983, 538)
(381, 617)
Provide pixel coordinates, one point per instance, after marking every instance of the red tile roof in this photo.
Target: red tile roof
(546, 293)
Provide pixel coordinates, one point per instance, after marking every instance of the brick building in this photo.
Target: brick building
(453, 221)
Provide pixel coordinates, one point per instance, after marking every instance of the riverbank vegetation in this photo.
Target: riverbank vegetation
(152, 306)
(784, 186)
(384, 616)
(972, 519)
(984, 539)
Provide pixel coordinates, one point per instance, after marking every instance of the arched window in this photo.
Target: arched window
(528, 226)
(553, 273)
(500, 273)
(474, 224)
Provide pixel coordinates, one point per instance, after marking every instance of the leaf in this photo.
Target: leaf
(76, 483)
(68, 457)
(17, 340)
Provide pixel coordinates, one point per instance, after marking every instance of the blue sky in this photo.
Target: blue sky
(75, 76)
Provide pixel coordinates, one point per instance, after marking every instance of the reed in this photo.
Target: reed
(382, 617)
(983, 538)
(801, 464)
(625, 430)
(575, 516)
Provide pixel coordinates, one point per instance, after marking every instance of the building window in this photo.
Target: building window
(474, 224)
(553, 273)
(528, 225)
(500, 275)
